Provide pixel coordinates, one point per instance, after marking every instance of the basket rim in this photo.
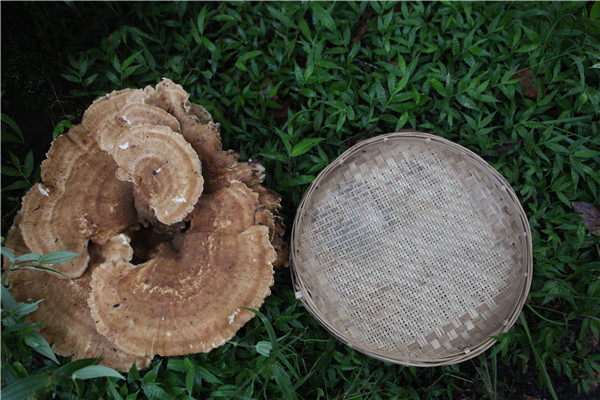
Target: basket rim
(304, 296)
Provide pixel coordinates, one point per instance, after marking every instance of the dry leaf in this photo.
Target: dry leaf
(590, 214)
(526, 79)
(360, 32)
(504, 147)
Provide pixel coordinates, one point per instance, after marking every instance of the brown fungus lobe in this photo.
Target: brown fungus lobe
(147, 164)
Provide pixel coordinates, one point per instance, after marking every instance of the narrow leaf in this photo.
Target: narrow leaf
(27, 387)
(39, 344)
(57, 257)
(96, 371)
(304, 146)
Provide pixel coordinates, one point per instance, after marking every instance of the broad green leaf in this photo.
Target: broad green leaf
(96, 371)
(276, 156)
(528, 48)
(298, 180)
(155, 392)
(401, 121)
(208, 376)
(264, 348)
(26, 388)
(323, 16)
(37, 342)
(57, 257)
(8, 302)
(437, 85)
(17, 185)
(304, 146)
(247, 56)
(23, 309)
(587, 153)
(28, 164)
(15, 127)
(8, 254)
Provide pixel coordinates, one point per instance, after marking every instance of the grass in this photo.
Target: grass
(294, 85)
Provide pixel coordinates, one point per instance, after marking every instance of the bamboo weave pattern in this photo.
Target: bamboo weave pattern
(412, 249)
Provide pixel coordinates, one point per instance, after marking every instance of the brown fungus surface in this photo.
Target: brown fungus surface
(190, 298)
(176, 236)
(79, 200)
(67, 322)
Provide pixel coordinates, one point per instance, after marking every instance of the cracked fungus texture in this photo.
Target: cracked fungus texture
(144, 178)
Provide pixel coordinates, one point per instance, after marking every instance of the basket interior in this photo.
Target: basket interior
(412, 249)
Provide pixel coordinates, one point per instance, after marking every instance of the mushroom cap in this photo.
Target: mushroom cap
(190, 298)
(164, 168)
(220, 168)
(145, 142)
(79, 200)
(230, 210)
(67, 322)
(109, 107)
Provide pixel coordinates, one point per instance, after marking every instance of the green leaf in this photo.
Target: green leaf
(323, 16)
(380, 93)
(28, 164)
(587, 153)
(130, 59)
(57, 257)
(39, 268)
(8, 302)
(401, 121)
(15, 127)
(96, 371)
(208, 376)
(240, 62)
(37, 342)
(17, 185)
(437, 85)
(283, 382)
(304, 146)
(528, 48)
(264, 348)
(26, 388)
(8, 254)
(155, 392)
(23, 309)
(275, 156)
(538, 359)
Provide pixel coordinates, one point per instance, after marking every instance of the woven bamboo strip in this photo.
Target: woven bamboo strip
(413, 250)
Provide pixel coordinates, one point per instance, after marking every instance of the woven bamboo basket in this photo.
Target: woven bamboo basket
(413, 250)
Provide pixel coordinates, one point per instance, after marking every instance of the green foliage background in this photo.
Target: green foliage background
(294, 85)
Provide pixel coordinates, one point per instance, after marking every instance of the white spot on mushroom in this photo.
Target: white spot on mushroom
(163, 318)
(179, 199)
(158, 170)
(131, 323)
(126, 120)
(168, 333)
(45, 192)
(123, 238)
(112, 208)
(124, 145)
(232, 316)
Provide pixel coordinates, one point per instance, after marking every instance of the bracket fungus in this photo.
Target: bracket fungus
(177, 237)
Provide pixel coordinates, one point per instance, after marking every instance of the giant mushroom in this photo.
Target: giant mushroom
(177, 237)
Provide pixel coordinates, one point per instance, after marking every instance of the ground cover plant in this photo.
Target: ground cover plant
(294, 85)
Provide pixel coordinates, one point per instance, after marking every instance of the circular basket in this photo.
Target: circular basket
(412, 249)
